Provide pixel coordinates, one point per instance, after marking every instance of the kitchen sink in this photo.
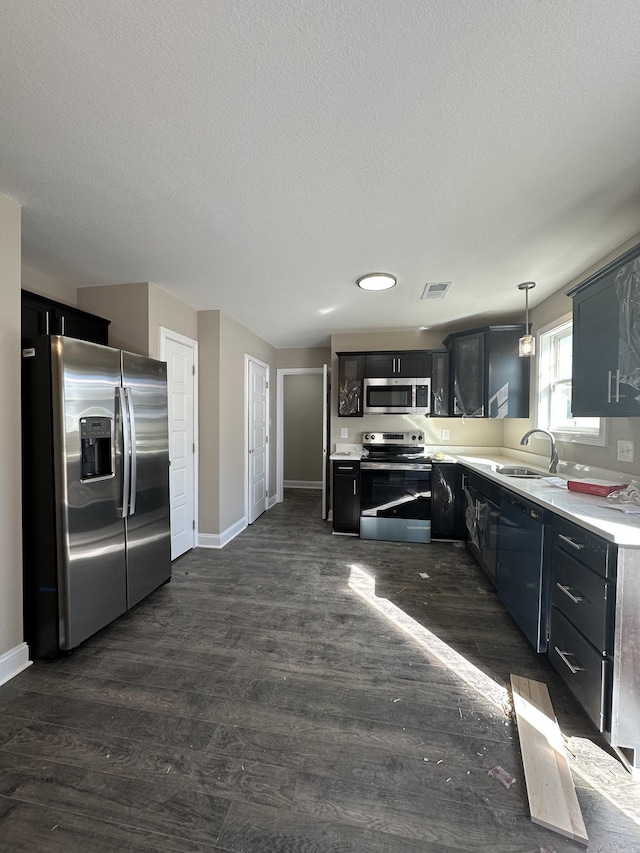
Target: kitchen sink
(515, 471)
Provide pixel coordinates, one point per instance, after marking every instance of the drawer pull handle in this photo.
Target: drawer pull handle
(345, 468)
(575, 598)
(570, 541)
(573, 669)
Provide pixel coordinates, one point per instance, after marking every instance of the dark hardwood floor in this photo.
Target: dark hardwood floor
(296, 691)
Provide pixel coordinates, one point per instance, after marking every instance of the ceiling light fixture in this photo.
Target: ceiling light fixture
(377, 281)
(527, 343)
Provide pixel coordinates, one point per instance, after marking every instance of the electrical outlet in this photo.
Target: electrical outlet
(344, 432)
(446, 435)
(626, 451)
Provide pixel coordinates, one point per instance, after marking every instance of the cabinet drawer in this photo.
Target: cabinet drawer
(346, 468)
(584, 546)
(587, 673)
(583, 597)
(481, 484)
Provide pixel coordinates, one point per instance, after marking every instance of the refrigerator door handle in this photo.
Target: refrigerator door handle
(133, 453)
(126, 451)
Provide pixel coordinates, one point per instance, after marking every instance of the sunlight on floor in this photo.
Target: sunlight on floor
(365, 586)
(595, 768)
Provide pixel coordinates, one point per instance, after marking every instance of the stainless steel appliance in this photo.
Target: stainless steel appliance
(397, 396)
(95, 487)
(395, 488)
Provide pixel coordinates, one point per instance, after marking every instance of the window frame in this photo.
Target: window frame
(544, 337)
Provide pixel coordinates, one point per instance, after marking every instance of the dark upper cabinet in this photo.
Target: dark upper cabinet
(350, 384)
(42, 316)
(440, 384)
(606, 341)
(411, 363)
(489, 379)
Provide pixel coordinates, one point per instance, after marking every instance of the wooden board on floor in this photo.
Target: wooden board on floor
(550, 789)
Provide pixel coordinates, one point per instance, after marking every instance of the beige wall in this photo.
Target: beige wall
(11, 633)
(552, 309)
(236, 341)
(209, 421)
(165, 310)
(37, 282)
(223, 343)
(472, 432)
(312, 357)
(127, 306)
(137, 311)
(302, 427)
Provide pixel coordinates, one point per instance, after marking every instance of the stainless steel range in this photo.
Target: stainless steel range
(395, 497)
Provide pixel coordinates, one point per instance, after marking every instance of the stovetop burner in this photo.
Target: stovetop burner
(394, 447)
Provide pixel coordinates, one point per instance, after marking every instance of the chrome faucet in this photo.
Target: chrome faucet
(553, 461)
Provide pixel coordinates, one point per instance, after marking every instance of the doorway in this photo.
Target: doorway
(317, 434)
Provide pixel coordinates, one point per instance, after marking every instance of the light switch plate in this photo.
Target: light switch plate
(626, 451)
(446, 435)
(344, 432)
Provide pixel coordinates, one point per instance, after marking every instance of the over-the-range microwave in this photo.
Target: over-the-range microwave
(397, 396)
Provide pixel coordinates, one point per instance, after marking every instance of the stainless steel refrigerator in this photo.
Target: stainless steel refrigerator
(95, 487)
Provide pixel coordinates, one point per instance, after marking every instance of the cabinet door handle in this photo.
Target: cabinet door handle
(573, 669)
(570, 541)
(62, 324)
(609, 386)
(399, 361)
(617, 386)
(354, 489)
(575, 598)
(46, 322)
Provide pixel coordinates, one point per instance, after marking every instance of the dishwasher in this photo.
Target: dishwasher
(522, 571)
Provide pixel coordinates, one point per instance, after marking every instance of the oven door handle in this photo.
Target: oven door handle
(395, 466)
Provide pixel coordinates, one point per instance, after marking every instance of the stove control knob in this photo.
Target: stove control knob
(372, 437)
(414, 438)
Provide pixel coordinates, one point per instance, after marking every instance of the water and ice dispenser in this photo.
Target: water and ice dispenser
(95, 447)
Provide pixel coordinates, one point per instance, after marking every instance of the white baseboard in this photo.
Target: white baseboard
(13, 662)
(219, 540)
(303, 484)
(272, 501)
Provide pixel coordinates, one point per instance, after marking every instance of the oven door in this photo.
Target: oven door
(395, 501)
(389, 396)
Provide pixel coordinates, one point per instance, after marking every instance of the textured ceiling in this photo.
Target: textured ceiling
(258, 156)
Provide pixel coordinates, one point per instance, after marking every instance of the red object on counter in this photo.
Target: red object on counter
(601, 488)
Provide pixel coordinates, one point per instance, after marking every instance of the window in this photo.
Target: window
(554, 388)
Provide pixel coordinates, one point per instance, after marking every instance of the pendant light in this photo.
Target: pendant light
(527, 343)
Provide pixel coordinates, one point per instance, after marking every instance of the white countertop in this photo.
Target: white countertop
(593, 513)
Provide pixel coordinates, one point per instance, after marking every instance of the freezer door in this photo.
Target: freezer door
(147, 513)
(88, 461)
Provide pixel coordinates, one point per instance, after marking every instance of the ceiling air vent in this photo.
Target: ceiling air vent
(435, 289)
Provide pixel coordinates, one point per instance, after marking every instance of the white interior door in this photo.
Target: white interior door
(180, 356)
(258, 439)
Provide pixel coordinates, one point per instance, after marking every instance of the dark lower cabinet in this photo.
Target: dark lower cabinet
(43, 316)
(447, 501)
(346, 497)
(581, 626)
(482, 520)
